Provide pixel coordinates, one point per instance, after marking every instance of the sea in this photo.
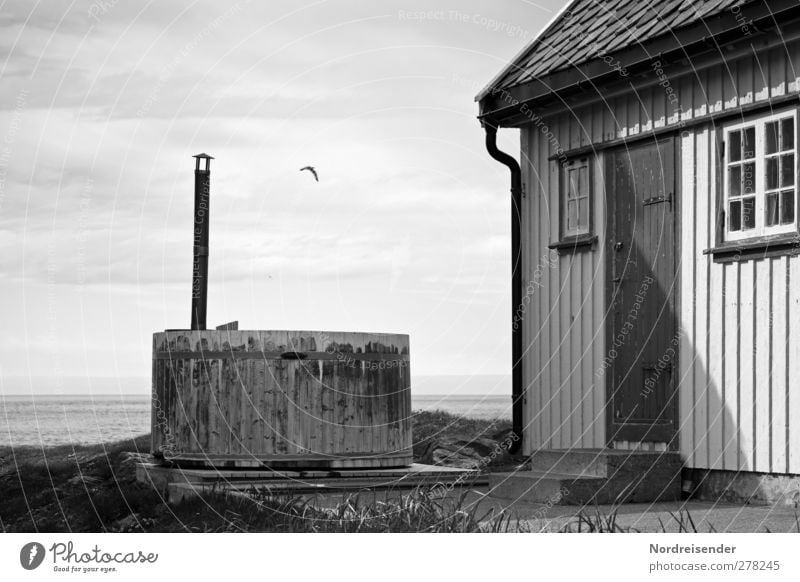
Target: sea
(56, 419)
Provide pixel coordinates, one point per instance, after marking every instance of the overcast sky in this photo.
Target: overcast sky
(104, 103)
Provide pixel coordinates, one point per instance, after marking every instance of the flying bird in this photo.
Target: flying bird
(312, 170)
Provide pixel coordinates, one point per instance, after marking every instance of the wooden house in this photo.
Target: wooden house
(655, 233)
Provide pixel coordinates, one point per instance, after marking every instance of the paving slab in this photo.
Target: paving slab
(649, 517)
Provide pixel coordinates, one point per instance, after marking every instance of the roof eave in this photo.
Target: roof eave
(509, 106)
(512, 63)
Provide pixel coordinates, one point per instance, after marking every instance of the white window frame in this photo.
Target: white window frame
(579, 231)
(761, 229)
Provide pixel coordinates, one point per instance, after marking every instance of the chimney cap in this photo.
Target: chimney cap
(206, 156)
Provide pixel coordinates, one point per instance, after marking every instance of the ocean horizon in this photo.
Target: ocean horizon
(42, 419)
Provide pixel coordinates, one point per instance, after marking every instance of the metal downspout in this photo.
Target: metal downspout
(516, 281)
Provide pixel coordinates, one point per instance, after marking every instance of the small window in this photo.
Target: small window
(760, 177)
(576, 196)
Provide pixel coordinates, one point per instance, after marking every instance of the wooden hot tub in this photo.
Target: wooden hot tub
(291, 399)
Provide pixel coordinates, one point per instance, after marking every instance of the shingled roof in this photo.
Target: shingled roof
(587, 27)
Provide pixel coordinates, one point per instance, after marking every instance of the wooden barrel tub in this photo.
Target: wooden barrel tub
(282, 399)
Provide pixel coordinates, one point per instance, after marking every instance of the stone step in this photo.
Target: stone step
(571, 461)
(546, 487)
(592, 476)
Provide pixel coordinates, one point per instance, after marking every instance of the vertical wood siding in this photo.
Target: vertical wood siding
(739, 358)
(564, 306)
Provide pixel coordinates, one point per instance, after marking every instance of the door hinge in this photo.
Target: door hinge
(658, 200)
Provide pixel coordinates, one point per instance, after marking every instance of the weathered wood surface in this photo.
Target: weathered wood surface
(281, 398)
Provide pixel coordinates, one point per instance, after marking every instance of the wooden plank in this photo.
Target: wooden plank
(716, 301)
(761, 77)
(327, 405)
(730, 335)
(209, 371)
(747, 365)
(634, 123)
(553, 408)
(780, 345)
(686, 96)
(561, 422)
(700, 100)
(282, 392)
(702, 240)
(362, 419)
(610, 123)
(344, 403)
(564, 393)
(777, 71)
(793, 66)
(687, 312)
(620, 116)
(540, 326)
(660, 108)
(745, 75)
(233, 420)
(587, 333)
(714, 89)
(258, 409)
(576, 350)
(597, 123)
(716, 386)
(528, 234)
(599, 309)
(646, 97)
(793, 370)
(576, 129)
(541, 415)
(762, 354)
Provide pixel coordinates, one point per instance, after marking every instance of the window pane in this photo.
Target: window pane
(572, 215)
(748, 213)
(735, 216)
(735, 181)
(735, 146)
(772, 209)
(749, 145)
(572, 188)
(787, 170)
(583, 213)
(749, 178)
(583, 189)
(787, 134)
(771, 137)
(787, 207)
(771, 173)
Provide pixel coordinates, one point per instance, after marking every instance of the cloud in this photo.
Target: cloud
(102, 105)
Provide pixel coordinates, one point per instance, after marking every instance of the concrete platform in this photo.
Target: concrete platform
(592, 476)
(177, 483)
(645, 517)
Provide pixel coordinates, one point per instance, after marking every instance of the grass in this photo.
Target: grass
(94, 489)
(90, 489)
(66, 488)
(427, 426)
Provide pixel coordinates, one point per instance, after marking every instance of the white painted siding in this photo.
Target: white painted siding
(739, 361)
(563, 331)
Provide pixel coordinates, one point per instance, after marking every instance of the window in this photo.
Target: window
(576, 190)
(760, 177)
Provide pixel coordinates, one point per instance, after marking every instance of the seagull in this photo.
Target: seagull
(312, 170)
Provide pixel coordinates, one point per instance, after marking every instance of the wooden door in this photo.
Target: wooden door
(642, 345)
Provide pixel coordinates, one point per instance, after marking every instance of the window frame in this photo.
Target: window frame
(760, 230)
(572, 238)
